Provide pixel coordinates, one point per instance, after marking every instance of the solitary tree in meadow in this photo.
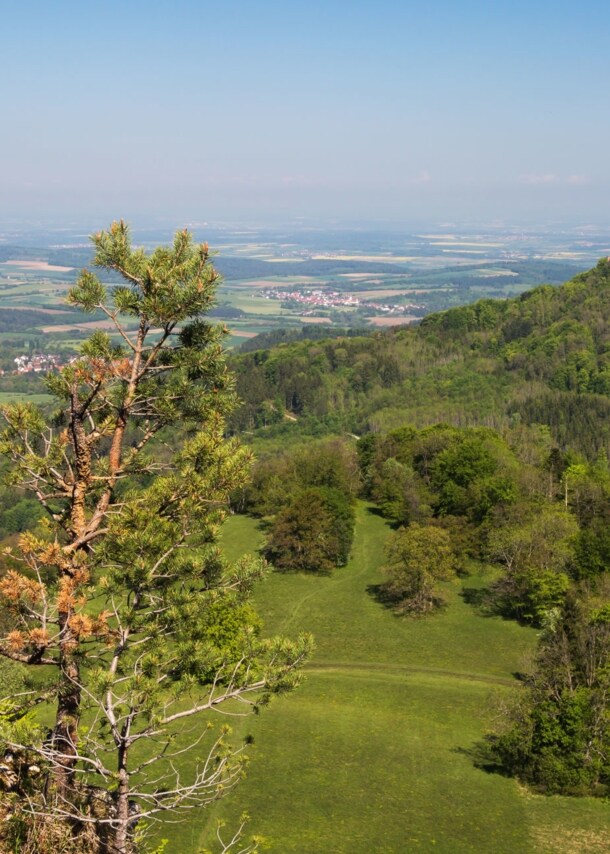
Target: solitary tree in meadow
(418, 557)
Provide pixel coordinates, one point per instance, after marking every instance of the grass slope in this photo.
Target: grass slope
(370, 754)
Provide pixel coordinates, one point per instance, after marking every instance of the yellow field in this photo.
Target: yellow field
(383, 320)
(384, 258)
(36, 265)
(82, 327)
(562, 255)
(437, 236)
(464, 251)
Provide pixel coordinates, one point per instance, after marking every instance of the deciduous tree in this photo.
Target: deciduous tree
(535, 545)
(313, 533)
(418, 557)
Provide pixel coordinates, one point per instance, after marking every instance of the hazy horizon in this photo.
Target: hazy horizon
(391, 113)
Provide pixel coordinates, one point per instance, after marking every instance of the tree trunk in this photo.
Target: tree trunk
(119, 838)
(65, 732)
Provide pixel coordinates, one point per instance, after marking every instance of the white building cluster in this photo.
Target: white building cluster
(333, 299)
(37, 363)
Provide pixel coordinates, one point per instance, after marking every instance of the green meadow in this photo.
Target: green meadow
(372, 752)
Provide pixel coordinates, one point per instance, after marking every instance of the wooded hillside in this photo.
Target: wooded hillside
(542, 357)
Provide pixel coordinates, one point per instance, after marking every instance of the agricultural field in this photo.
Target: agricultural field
(374, 752)
(373, 273)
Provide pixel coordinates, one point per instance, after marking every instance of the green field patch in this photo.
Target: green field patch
(257, 305)
(36, 303)
(389, 292)
(24, 288)
(362, 763)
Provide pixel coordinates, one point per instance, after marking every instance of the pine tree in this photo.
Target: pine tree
(126, 596)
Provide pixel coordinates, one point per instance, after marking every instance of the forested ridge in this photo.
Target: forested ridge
(529, 359)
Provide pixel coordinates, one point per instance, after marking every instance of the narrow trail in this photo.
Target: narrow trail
(396, 670)
(345, 576)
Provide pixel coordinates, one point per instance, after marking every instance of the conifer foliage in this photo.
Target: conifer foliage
(124, 604)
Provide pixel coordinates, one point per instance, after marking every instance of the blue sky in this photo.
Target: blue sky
(361, 110)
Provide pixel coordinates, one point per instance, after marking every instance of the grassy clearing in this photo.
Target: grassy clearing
(371, 753)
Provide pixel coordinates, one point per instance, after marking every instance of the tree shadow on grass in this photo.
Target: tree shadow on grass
(394, 524)
(486, 604)
(382, 594)
(479, 598)
(298, 570)
(483, 758)
(375, 511)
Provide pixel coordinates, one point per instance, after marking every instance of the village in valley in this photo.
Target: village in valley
(318, 298)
